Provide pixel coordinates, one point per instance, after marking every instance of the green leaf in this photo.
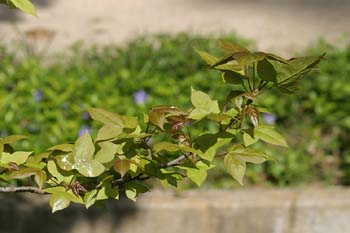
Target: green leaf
(295, 67)
(84, 148)
(12, 138)
(9, 140)
(208, 58)
(18, 157)
(106, 117)
(249, 155)
(89, 168)
(198, 174)
(166, 146)
(90, 198)
(229, 47)
(25, 5)
(39, 175)
(203, 104)
(60, 177)
(59, 201)
(62, 147)
(133, 188)
(248, 139)
(122, 166)
(129, 122)
(211, 151)
(246, 58)
(232, 77)
(107, 152)
(266, 71)
(108, 131)
(65, 161)
(269, 135)
(235, 167)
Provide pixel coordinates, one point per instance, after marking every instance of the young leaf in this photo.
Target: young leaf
(229, 47)
(166, 146)
(84, 148)
(248, 139)
(109, 131)
(270, 135)
(157, 115)
(122, 166)
(198, 174)
(107, 152)
(60, 177)
(208, 58)
(25, 5)
(62, 147)
(106, 117)
(39, 175)
(209, 154)
(235, 167)
(90, 198)
(18, 157)
(203, 104)
(249, 155)
(59, 201)
(89, 168)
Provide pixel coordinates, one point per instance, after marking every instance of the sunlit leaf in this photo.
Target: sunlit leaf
(18, 157)
(59, 201)
(84, 148)
(107, 152)
(203, 104)
(122, 166)
(198, 174)
(235, 167)
(89, 168)
(208, 58)
(247, 154)
(62, 147)
(229, 47)
(25, 5)
(106, 117)
(108, 131)
(39, 175)
(270, 135)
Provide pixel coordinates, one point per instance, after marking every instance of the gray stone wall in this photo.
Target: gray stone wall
(241, 211)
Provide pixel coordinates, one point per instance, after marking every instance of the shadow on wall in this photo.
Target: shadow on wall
(10, 15)
(25, 213)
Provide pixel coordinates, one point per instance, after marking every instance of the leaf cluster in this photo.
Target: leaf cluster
(127, 152)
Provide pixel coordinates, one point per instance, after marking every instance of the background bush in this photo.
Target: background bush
(49, 100)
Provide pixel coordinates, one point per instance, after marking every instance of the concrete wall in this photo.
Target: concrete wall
(242, 211)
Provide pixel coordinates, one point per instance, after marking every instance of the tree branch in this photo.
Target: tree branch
(23, 189)
(174, 162)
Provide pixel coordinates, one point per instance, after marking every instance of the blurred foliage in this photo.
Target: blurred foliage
(49, 101)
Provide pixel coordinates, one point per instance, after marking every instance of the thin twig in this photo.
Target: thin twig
(23, 189)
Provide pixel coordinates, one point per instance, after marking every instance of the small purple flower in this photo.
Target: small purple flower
(84, 129)
(140, 97)
(4, 133)
(86, 116)
(38, 95)
(65, 105)
(269, 118)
